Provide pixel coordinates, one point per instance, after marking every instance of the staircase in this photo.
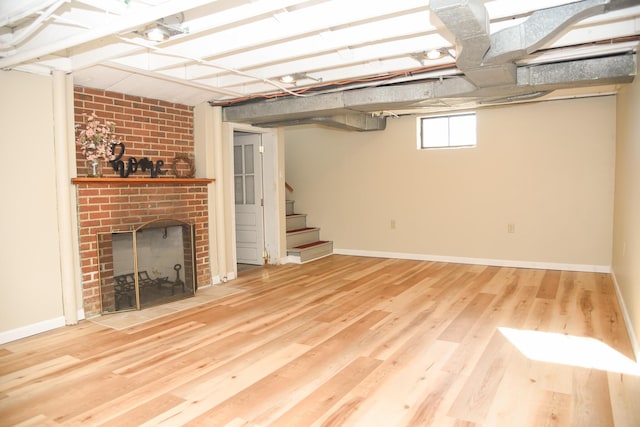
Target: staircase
(303, 242)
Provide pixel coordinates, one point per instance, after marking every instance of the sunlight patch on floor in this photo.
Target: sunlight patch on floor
(570, 350)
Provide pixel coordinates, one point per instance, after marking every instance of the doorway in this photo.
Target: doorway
(248, 197)
(257, 230)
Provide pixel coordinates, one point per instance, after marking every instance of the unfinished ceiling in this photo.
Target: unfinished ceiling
(345, 63)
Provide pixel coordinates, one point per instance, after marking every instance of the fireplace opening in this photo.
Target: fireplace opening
(147, 266)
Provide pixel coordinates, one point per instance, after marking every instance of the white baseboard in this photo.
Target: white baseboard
(216, 280)
(29, 330)
(633, 337)
(284, 260)
(36, 328)
(478, 261)
(292, 259)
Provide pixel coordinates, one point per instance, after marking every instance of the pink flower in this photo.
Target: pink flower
(96, 139)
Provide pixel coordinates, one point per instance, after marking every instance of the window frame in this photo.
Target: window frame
(449, 117)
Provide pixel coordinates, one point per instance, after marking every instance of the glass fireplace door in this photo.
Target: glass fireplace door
(151, 265)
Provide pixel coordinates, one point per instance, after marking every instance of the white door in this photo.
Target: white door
(247, 175)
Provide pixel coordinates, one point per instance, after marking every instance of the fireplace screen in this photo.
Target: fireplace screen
(151, 265)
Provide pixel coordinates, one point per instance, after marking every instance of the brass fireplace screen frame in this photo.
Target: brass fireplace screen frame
(147, 272)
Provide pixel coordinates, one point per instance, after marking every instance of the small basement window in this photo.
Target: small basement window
(451, 131)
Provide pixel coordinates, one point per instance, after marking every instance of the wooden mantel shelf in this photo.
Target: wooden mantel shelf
(142, 180)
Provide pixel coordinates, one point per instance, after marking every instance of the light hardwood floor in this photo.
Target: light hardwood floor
(344, 341)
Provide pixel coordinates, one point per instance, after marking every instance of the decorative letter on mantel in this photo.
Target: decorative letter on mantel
(133, 163)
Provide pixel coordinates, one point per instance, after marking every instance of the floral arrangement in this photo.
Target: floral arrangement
(96, 138)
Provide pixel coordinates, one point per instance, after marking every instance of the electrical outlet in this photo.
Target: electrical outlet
(511, 228)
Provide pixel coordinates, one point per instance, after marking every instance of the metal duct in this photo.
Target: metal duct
(349, 121)
(341, 109)
(488, 64)
(468, 20)
(489, 60)
(542, 26)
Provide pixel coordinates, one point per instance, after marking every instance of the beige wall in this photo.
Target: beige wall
(30, 289)
(626, 241)
(546, 167)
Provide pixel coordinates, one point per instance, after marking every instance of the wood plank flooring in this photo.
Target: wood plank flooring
(344, 341)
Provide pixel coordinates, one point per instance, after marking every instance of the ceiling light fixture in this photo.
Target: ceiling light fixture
(289, 78)
(296, 77)
(156, 34)
(164, 28)
(433, 55)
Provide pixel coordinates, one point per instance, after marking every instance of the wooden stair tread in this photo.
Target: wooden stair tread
(303, 242)
(310, 245)
(298, 230)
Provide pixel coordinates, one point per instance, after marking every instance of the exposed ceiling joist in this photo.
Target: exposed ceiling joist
(381, 56)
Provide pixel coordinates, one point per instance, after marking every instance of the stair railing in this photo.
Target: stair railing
(288, 187)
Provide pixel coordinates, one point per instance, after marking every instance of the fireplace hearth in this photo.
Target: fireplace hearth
(150, 265)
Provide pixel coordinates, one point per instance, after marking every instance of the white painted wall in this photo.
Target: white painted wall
(30, 288)
(547, 168)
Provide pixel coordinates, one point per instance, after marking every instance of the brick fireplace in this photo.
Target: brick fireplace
(149, 128)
